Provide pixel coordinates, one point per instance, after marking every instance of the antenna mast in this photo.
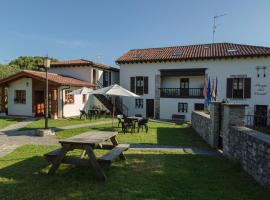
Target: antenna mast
(216, 25)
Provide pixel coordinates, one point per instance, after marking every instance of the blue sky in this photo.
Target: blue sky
(69, 29)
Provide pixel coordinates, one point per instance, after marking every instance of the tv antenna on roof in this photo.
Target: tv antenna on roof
(98, 58)
(216, 25)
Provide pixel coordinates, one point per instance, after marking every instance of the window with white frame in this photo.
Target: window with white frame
(182, 107)
(138, 103)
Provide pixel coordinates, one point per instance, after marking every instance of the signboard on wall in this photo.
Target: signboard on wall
(260, 89)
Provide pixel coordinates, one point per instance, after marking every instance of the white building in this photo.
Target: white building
(170, 80)
(23, 94)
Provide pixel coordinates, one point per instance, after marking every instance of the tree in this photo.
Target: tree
(21, 63)
(6, 70)
(29, 62)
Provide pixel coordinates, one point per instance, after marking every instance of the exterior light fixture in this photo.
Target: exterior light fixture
(47, 64)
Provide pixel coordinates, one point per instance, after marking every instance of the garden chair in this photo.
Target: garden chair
(128, 124)
(83, 114)
(120, 119)
(143, 123)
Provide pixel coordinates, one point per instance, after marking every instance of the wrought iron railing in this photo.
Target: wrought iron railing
(181, 92)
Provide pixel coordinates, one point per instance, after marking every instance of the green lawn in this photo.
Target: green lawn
(159, 133)
(60, 122)
(145, 175)
(6, 121)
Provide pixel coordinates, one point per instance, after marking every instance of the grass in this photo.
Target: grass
(59, 123)
(6, 121)
(159, 133)
(145, 175)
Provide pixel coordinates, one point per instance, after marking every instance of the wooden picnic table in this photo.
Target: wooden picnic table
(87, 142)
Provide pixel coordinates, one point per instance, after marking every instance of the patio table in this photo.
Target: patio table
(87, 142)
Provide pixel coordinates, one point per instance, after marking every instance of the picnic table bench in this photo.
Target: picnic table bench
(87, 142)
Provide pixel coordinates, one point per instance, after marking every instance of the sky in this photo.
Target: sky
(103, 30)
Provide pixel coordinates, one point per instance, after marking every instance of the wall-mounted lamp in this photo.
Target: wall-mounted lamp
(258, 69)
(27, 84)
(264, 69)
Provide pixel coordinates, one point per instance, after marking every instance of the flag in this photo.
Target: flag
(205, 88)
(213, 94)
(216, 89)
(208, 101)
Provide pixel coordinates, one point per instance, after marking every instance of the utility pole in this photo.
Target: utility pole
(216, 25)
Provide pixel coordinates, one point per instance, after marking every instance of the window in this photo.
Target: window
(20, 97)
(182, 107)
(84, 98)
(198, 106)
(239, 87)
(139, 85)
(138, 103)
(69, 98)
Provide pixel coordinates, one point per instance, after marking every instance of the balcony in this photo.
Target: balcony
(196, 93)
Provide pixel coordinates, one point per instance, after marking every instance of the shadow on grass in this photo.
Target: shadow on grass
(143, 176)
(184, 136)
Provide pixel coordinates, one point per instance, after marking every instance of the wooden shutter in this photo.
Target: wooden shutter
(110, 78)
(132, 84)
(247, 88)
(145, 85)
(229, 87)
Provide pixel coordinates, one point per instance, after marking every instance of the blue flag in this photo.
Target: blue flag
(208, 100)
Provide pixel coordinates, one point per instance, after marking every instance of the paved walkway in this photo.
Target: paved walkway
(11, 138)
(179, 149)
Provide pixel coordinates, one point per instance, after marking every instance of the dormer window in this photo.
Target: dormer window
(231, 50)
(177, 53)
(139, 55)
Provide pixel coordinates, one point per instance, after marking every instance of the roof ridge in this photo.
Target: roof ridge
(201, 44)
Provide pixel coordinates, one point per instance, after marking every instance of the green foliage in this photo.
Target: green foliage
(22, 63)
(6, 70)
(29, 62)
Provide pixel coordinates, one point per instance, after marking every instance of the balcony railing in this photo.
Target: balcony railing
(181, 93)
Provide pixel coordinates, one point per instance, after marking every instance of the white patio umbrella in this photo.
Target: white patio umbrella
(114, 90)
(83, 90)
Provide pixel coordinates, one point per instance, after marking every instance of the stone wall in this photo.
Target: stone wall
(249, 147)
(208, 126)
(252, 149)
(201, 123)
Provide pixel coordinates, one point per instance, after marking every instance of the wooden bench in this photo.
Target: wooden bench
(176, 117)
(107, 159)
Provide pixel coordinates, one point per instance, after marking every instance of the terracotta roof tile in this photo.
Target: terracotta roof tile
(193, 52)
(53, 78)
(82, 62)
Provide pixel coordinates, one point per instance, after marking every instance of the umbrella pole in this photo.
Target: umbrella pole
(113, 111)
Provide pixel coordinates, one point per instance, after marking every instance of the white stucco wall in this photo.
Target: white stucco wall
(82, 73)
(20, 109)
(222, 69)
(174, 81)
(72, 110)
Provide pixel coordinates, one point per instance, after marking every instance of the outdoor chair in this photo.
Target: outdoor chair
(143, 123)
(128, 124)
(83, 114)
(120, 119)
(92, 114)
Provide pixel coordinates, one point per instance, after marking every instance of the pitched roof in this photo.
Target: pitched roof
(82, 62)
(193, 52)
(53, 78)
